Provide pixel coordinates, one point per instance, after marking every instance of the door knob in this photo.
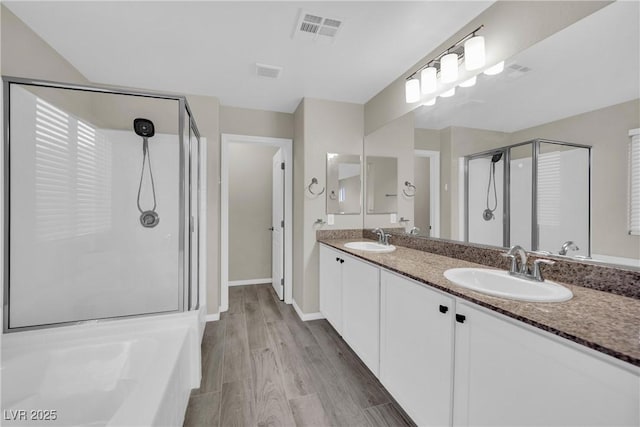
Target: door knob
(270, 229)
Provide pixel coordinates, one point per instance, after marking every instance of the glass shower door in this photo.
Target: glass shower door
(563, 191)
(78, 249)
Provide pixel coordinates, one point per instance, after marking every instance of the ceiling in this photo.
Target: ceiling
(589, 65)
(211, 48)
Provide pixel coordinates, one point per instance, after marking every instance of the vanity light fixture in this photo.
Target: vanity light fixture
(469, 83)
(449, 93)
(449, 68)
(412, 90)
(474, 53)
(429, 80)
(495, 69)
(424, 80)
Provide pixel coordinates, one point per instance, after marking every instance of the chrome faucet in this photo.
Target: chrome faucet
(522, 255)
(568, 245)
(380, 233)
(414, 231)
(517, 253)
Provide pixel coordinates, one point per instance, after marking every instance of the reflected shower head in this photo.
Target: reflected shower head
(143, 127)
(496, 158)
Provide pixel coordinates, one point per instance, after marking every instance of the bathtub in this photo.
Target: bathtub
(136, 372)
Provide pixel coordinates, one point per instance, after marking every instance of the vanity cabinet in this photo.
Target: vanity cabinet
(508, 373)
(451, 362)
(416, 348)
(350, 301)
(331, 286)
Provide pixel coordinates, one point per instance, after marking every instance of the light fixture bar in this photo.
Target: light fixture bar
(446, 51)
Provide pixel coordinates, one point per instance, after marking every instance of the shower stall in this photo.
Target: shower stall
(535, 194)
(101, 204)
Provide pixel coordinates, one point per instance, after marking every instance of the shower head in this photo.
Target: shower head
(496, 158)
(143, 127)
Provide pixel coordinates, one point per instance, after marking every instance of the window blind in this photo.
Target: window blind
(634, 182)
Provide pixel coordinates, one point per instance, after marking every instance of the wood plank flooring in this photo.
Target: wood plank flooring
(263, 366)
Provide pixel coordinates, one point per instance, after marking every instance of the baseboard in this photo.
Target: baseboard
(250, 282)
(306, 316)
(212, 317)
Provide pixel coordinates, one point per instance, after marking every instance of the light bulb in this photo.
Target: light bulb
(474, 53)
(496, 69)
(449, 68)
(430, 102)
(449, 93)
(469, 83)
(428, 80)
(412, 91)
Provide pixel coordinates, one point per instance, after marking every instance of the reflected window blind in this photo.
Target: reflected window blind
(52, 175)
(72, 175)
(634, 182)
(549, 189)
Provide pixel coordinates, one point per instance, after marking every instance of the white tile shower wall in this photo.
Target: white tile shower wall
(481, 231)
(78, 250)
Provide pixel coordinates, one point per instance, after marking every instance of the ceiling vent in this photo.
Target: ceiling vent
(268, 71)
(515, 71)
(311, 26)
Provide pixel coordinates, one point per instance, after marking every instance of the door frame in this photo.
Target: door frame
(434, 189)
(287, 149)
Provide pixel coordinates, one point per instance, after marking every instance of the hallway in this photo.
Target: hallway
(261, 365)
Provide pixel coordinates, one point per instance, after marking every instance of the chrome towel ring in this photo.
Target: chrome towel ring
(314, 181)
(409, 189)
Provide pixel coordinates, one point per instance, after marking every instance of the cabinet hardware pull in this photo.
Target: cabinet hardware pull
(443, 308)
(460, 318)
(341, 261)
(337, 259)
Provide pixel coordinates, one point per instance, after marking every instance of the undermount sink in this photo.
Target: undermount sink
(370, 247)
(500, 283)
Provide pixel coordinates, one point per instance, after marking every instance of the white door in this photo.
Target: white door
(331, 286)
(277, 221)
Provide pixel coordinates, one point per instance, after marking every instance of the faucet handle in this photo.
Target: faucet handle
(537, 272)
(385, 238)
(514, 262)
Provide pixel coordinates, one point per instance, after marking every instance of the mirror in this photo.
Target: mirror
(552, 91)
(343, 184)
(382, 185)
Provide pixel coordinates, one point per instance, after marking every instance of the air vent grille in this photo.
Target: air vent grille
(311, 26)
(268, 71)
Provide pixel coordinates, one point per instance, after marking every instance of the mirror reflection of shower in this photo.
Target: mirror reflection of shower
(144, 128)
(488, 215)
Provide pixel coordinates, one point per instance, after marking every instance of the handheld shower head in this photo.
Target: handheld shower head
(143, 127)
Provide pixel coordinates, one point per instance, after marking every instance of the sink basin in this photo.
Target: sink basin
(370, 247)
(500, 283)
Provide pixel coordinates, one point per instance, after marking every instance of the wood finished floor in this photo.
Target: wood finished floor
(263, 366)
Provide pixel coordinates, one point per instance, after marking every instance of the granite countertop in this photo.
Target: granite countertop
(602, 321)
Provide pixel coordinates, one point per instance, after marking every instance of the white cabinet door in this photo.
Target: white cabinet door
(331, 286)
(416, 348)
(507, 374)
(361, 310)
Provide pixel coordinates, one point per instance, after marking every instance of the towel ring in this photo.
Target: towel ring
(314, 181)
(409, 189)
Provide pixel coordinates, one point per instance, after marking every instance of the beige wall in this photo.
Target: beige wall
(321, 127)
(250, 201)
(510, 27)
(25, 54)
(427, 139)
(395, 139)
(607, 131)
(422, 215)
(245, 121)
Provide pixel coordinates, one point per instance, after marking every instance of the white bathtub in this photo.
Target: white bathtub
(136, 372)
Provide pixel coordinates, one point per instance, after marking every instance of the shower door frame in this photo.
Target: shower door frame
(535, 153)
(184, 227)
